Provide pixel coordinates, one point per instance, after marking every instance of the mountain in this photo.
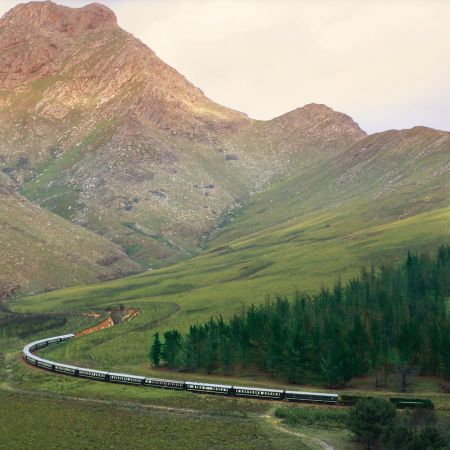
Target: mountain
(41, 251)
(97, 129)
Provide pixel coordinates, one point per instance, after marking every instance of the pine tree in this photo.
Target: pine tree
(155, 351)
(172, 348)
(371, 418)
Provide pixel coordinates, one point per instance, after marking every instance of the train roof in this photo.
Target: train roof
(164, 379)
(64, 336)
(322, 394)
(126, 375)
(27, 351)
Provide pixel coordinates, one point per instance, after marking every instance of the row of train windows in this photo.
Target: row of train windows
(312, 399)
(114, 377)
(241, 391)
(208, 388)
(65, 369)
(246, 391)
(92, 374)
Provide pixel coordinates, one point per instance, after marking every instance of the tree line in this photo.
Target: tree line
(389, 318)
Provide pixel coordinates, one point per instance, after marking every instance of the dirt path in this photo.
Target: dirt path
(128, 314)
(277, 425)
(107, 323)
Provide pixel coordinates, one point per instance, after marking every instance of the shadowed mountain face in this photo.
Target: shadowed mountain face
(96, 128)
(41, 251)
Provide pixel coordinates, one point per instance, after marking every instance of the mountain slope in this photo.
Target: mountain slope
(96, 128)
(369, 204)
(385, 177)
(387, 193)
(41, 251)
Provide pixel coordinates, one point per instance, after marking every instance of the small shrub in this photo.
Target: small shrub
(313, 416)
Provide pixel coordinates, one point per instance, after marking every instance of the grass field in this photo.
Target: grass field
(30, 421)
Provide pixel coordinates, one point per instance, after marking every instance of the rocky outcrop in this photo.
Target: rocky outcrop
(34, 38)
(94, 62)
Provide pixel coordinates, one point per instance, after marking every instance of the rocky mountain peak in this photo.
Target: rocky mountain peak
(53, 17)
(112, 71)
(314, 117)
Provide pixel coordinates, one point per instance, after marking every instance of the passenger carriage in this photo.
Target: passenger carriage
(66, 369)
(94, 374)
(125, 378)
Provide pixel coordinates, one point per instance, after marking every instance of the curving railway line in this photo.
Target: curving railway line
(193, 386)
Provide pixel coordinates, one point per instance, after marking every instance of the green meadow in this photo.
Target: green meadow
(30, 421)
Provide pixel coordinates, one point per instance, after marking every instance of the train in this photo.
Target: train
(194, 386)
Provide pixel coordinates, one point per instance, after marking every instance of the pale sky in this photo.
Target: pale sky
(386, 63)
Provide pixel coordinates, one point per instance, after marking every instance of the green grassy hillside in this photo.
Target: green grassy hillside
(387, 194)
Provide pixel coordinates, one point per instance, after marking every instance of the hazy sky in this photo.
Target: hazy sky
(384, 62)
